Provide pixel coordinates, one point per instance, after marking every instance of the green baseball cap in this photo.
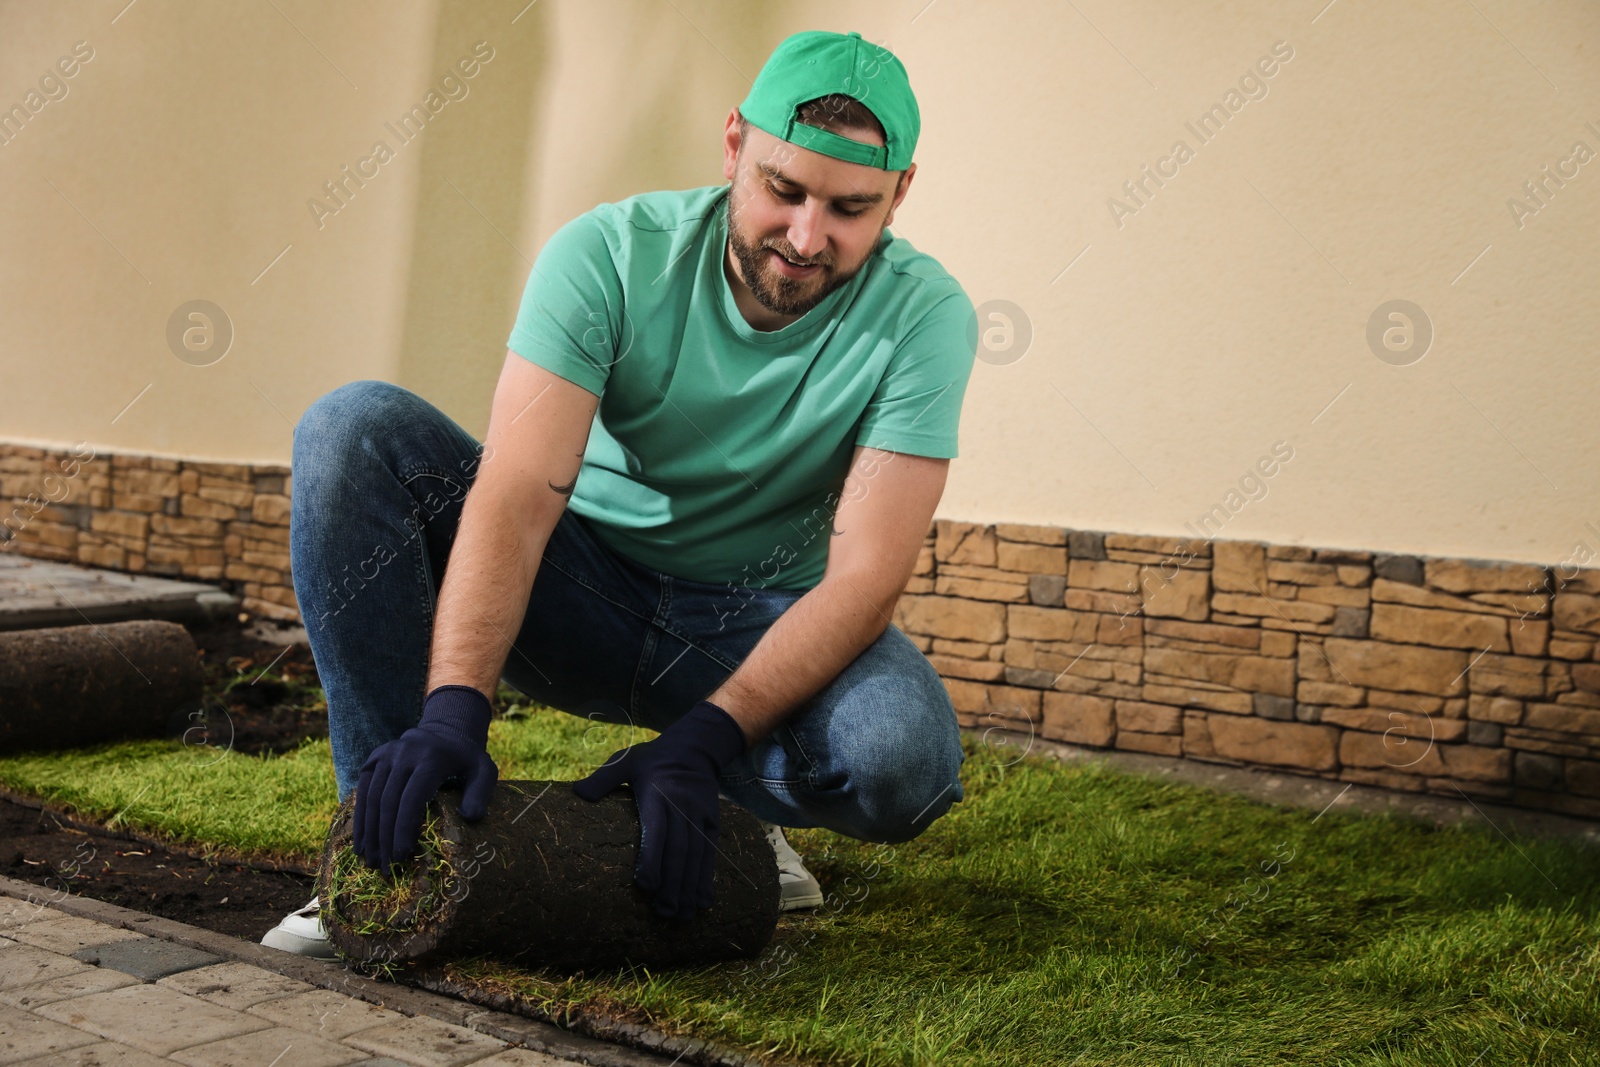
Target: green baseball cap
(816, 63)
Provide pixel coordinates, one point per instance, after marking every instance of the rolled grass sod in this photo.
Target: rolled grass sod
(1063, 913)
(544, 879)
(64, 686)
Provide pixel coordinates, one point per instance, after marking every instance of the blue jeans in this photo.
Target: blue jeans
(379, 476)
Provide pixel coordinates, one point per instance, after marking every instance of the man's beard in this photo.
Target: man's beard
(774, 291)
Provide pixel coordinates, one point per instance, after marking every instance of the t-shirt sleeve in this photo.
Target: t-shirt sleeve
(571, 321)
(917, 405)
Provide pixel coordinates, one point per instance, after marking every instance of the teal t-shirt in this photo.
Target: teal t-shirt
(719, 451)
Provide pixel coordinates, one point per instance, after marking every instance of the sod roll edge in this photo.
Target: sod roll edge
(545, 878)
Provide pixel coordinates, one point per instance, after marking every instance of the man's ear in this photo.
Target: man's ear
(902, 187)
(730, 144)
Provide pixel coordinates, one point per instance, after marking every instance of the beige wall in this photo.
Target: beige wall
(1226, 314)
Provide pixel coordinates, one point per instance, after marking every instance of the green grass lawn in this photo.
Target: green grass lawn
(1063, 914)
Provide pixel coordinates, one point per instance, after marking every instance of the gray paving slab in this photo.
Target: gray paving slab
(99, 1054)
(25, 1036)
(235, 985)
(38, 592)
(426, 1042)
(147, 958)
(151, 1018)
(80, 983)
(278, 1045)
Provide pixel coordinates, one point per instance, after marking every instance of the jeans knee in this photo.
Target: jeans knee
(914, 781)
(349, 412)
(904, 812)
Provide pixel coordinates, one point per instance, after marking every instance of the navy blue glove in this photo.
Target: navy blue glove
(674, 779)
(401, 776)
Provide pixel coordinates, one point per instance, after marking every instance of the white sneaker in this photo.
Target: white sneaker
(301, 932)
(798, 887)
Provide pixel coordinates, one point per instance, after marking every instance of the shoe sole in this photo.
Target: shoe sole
(284, 941)
(800, 895)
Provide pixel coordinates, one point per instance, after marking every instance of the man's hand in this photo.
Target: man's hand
(400, 777)
(674, 779)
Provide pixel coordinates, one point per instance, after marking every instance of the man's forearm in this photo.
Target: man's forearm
(811, 643)
(484, 597)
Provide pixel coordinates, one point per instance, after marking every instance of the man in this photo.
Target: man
(721, 430)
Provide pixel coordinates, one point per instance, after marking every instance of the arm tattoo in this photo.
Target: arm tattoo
(566, 490)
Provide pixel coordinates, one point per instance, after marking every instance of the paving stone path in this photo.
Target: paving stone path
(77, 989)
(41, 592)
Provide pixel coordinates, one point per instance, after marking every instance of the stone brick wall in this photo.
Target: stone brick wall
(1443, 675)
(223, 523)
